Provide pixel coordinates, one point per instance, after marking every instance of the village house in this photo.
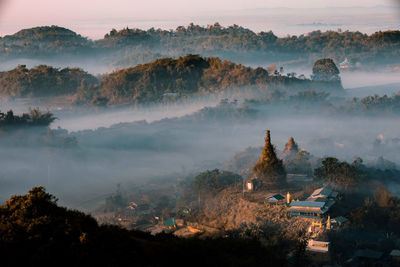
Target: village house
(170, 223)
(275, 199)
(395, 255)
(318, 246)
(339, 220)
(253, 184)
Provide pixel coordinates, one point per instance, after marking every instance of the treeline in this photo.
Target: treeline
(325, 103)
(42, 81)
(186, 75)
(350, 175)
(34, 118)
(371, 105)
(48, 235)
(233, 42)
(162, 79)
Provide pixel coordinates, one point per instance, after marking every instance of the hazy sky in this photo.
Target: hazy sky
(95, 17)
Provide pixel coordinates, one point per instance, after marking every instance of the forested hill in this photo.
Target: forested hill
(129, 47)
(159, 80)
(163, 79)
(184, 76)
(46, 40)
(42, 81)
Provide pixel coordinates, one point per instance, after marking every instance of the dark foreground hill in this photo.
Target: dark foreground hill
(34, 231)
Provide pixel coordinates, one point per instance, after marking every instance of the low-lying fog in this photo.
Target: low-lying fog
(137, 153)
(94, 120)
(158, 148)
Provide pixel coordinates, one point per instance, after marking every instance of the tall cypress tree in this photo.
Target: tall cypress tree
(269, 168)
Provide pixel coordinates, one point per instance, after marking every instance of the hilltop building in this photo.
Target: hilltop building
(322, 194)
(290, 151)
(316, 205)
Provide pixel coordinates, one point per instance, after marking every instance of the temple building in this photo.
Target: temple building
(316, 205)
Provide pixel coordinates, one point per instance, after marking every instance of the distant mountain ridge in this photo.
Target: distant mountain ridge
(234, 43)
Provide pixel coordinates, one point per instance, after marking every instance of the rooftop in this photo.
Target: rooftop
(321, 191)
(312, 204)
(339, 219)
(395, 253)
(368, 253)
(169, 222)
(275, 196)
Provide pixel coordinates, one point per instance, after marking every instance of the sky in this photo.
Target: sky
(94, 18)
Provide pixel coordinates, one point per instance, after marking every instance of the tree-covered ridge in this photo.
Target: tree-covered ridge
(232, 42)
(236, 37)
(35, 231)
(51, 40)
(188, 75)
(162, 79)
(46, 33)
(372, 105)
(151, 81)
(169, 77)
(42, 81)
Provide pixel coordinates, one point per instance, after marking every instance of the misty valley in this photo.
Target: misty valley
(245, 147)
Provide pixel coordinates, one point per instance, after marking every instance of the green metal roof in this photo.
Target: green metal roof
(310, 204)
(277, 197)
(170, 222)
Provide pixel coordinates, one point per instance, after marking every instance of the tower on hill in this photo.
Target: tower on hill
(269, 168)
(291, 149)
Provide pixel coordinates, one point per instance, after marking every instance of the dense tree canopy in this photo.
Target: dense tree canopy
(380, 212)
(215, 180)
(233, 42)
(151, 81)
(325, 70)
(190, 75)
(375, 104)
(34, 118)
(42, 81)
(47, 40)
(341, 173)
